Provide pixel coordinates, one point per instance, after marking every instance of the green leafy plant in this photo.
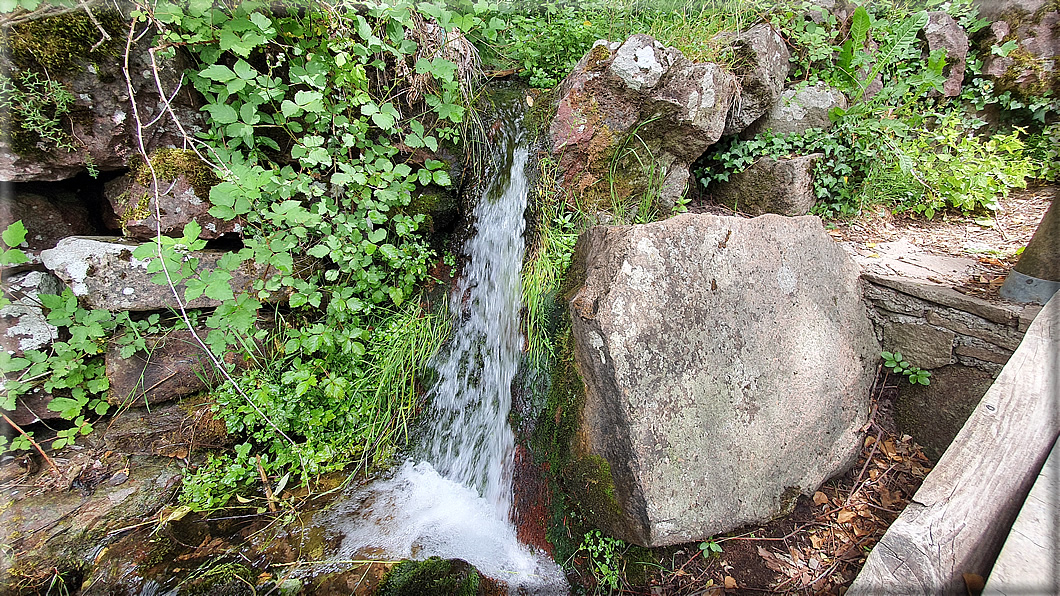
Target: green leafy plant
(899, 365)
(710, 548)
(605, 558)
(35, 107)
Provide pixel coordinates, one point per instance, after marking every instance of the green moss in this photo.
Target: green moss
(539, 117)
(170, 164)
(224, 579)
(593, 488)
(433, 576)
(599, 58)
(61, 43)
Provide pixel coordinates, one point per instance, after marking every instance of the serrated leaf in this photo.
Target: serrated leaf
(263, 22)
(222, 113)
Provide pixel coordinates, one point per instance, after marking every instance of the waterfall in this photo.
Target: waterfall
(454, 498)
(471, 441)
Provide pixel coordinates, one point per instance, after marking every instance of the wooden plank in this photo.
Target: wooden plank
(962, 513)
(1029, 562)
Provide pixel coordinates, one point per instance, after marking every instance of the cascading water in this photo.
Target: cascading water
(471, 442)
(456, 501)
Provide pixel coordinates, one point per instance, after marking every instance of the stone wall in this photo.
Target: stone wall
(963, 340)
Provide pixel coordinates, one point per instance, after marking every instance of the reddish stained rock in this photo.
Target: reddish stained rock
(632, 116)
(532, 501)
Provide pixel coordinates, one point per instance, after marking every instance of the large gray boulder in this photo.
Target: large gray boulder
(799, 110)
(631, 117)
(781, 185)
(727, 366)
(102, 273)
(761, 63)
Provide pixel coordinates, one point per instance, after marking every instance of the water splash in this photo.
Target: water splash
(455, 502)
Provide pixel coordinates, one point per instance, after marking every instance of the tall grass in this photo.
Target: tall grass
(547, 263)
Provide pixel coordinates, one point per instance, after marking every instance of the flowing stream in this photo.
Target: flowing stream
(454, 498)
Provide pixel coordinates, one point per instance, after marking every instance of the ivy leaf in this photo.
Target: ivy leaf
(15, 234)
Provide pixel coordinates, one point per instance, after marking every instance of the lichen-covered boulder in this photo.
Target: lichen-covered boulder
(781, 185)
(24, 324)
(632, 117)
(799, 110)
(63, 63)
(102, 273)
(183, 196)
(761, 63)
(943, 32)
(727, 366)
(1031, 67)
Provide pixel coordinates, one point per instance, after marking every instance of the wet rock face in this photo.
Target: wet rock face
(727, 365)
(771, 185)
(631, 117)
(100, 124)
(65, 529)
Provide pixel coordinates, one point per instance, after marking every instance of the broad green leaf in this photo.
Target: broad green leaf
(222, 113)
(15, 234)
(219, 73)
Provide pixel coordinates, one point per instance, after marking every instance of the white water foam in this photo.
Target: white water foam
(418, 514)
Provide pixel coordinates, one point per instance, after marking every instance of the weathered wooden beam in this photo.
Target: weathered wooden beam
(961, 515)
(1029, 562)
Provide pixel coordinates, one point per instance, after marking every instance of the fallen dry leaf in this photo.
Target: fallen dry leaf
(845, 516)
(819, 498)
(730, 582)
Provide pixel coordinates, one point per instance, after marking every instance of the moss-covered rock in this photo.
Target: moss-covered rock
(59, 44)
(432, 576)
